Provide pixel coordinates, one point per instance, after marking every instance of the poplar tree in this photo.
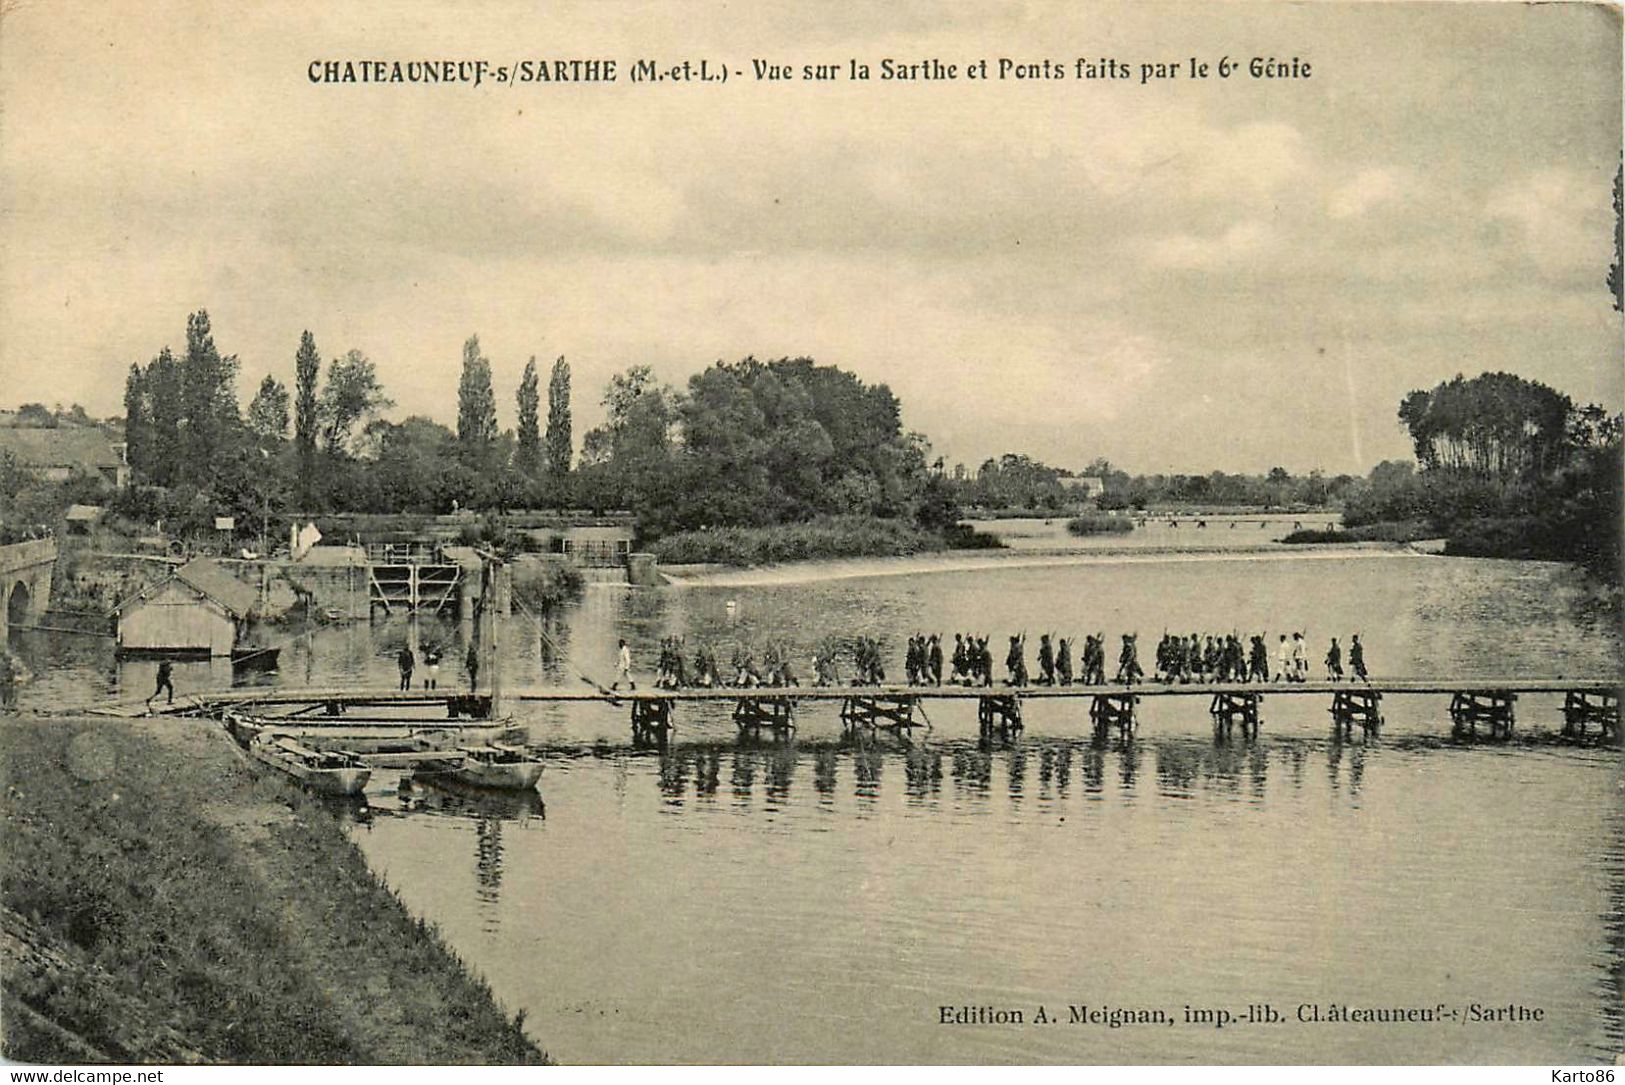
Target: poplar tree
(163, 389)
(476, 407)
(559, 440)
(529, 403)
(137, 421)
(307, 367)
(208, 401)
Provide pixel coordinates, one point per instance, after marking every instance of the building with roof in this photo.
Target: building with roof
(199, 609)
(83, 519)
(1089, 487)
(55, 454)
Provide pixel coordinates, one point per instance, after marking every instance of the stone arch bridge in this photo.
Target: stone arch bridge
(25, 583)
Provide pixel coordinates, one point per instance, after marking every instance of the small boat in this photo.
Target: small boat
(328, 772)
(371, 735)
(263, 658)
(496, 765)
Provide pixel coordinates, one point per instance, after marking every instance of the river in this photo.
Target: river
(824, 901)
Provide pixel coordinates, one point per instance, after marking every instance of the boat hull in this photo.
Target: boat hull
(400, 737)
(519, 776)
(340, 780)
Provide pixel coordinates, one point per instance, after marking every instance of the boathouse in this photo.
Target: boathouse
(199, 609)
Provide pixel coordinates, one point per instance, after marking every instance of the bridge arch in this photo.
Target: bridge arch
(18, 604)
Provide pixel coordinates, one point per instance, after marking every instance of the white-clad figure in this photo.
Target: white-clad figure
(623, 668)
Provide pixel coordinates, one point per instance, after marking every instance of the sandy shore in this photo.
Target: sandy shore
(953, 561)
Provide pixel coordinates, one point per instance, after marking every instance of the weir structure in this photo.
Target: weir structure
(899, 710)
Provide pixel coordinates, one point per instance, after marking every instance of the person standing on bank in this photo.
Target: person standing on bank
(473, 665)
(407, 663)
(623, 667)
(166, 682)
(431, 662)
(8, 683)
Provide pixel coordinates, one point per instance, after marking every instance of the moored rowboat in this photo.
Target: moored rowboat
(508, 768)
(376, 736)
(328, 772)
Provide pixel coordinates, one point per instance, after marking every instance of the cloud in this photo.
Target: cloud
(1189, 252)
(1561, 223)
(1370, 188)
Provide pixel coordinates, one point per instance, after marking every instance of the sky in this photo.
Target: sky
(1179, 275)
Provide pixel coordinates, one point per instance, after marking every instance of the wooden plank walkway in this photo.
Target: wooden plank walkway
(350, 696)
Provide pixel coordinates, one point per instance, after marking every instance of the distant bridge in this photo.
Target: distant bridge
(25, 583)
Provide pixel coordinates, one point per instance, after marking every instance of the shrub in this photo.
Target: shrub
(1095, 523)
(1386, 531)
(830, 537)
(542, 585)
(965, 537)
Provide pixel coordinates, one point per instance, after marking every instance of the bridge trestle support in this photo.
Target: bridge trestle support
(1492, 707)
(1356, 706)
(1228, 709)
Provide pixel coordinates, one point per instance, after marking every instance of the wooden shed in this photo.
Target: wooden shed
(198, 610)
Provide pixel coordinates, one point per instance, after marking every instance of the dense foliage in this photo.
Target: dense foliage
(1094, 523)
(1510, 468)
(831, 537)
(752, 444)
(1507, 465)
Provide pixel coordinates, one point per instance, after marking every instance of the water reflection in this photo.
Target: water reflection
(1183, 767)
(488, 867)
(1160, 807)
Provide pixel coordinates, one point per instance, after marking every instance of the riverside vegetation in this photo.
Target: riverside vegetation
(779, 460)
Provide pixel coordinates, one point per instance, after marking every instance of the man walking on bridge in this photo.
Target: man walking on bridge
(623, 667)
(1128, 661)
(166, 681)
(1357, 659)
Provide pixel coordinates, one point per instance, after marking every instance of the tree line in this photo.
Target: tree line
(1016, 482)
(1505, 467)
(747, 443)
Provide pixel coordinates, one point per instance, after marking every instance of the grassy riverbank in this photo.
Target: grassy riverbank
(164, 903)
(1393, 531)
(831, 537)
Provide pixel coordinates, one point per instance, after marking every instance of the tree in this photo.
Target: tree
(353, 395)
(36, 416)
(411, 467)
(208, 401)
(268, 414)
(307, 366)
(560, 445)
(137, 424)
(630, 454)
(163, 388)
(1616, 270)
(1496, 426)
(476, 407)
(529, 406)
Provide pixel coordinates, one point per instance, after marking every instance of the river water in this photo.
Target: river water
(824, 901)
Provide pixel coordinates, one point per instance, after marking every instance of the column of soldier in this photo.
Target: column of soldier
(1181, 659)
